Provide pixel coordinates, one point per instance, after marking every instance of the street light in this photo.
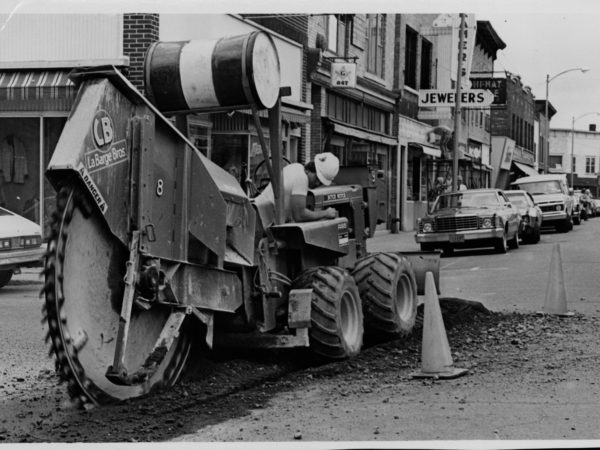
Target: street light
(548, 80)
(573, 139)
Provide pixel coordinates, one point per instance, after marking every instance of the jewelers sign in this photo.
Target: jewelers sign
(474, 98)
(343, 75)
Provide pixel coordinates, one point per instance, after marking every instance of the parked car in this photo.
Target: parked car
(552, 195)
(471, 218)
(531, 215)
(20, 244)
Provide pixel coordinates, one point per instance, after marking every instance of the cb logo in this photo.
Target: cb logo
(102, 129)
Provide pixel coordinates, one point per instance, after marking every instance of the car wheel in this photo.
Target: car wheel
(501, 244)
(5, 277)
(426, 247)
(514, 242)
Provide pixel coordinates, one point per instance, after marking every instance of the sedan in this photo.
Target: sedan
(471, 218)
(20, 244)
(531, 215)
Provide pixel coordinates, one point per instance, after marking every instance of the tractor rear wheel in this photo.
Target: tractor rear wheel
(84, 270)
(336, 316)
(388, 288)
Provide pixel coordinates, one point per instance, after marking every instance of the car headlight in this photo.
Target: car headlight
(559, 207)
(427, 227)
(487, 222)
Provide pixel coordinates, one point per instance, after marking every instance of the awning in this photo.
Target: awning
(527, 170)
(36, 90)
(288, 114)
(427, 149)
(367, 136)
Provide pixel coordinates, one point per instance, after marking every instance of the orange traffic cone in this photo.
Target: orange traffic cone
(556, 295)
(436, 360)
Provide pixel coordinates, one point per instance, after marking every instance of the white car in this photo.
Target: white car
(20, 244)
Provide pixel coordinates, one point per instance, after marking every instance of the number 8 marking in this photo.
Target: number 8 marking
(159, 187)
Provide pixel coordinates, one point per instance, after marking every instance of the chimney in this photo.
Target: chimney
(592, 127)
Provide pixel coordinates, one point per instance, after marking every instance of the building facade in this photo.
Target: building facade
(374, 126)
(577, 153)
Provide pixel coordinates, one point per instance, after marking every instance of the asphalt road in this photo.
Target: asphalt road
(518, 280)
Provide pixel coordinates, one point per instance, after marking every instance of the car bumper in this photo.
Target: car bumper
(22, 258)
(554, 216)
(459, 237)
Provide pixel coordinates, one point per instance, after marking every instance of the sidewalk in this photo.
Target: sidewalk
(384, 241)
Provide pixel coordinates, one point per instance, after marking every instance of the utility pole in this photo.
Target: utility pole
(457, 108)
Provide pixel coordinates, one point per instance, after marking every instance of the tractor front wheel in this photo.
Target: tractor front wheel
(336, 329)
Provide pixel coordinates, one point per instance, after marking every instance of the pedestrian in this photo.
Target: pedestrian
(461, 186)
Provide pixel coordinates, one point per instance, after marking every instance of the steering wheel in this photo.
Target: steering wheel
(260, 176)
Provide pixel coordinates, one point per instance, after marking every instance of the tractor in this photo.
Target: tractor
(153, 245)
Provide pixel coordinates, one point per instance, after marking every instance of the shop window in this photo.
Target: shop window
(20, 166)
(52, 127)
(410, 58)
(375, 43)
(230, 151)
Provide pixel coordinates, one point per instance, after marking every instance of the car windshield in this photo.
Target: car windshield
(542, 187)
(467, 200)
(518, 200)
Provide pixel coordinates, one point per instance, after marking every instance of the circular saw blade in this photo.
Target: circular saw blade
(85, 267)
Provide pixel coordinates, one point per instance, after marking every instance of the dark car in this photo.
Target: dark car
(471, 218)
(531, 215)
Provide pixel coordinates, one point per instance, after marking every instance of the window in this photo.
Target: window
(375, 44)
(332, 30)
(425, 65)
(410, 58)
(336, 33)
(555, 161)
(590, 165)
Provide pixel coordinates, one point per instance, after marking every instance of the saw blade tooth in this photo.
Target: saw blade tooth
(80, 340)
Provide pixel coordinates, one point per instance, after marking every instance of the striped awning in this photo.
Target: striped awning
(36, 90)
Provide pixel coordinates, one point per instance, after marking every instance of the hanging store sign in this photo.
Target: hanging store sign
(343, 75)
(452, 21)
(475, 98)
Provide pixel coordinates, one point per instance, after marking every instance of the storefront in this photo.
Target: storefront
(356, 127)
(423, 166)
(34, 105)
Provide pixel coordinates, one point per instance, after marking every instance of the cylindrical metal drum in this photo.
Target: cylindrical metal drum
(231, 71)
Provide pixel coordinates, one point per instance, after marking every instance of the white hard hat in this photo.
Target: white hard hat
(327, 166)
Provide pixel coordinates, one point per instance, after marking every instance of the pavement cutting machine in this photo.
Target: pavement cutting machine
(152, 244)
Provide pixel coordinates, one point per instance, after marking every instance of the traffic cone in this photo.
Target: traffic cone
(436, 360)
(556, 295)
